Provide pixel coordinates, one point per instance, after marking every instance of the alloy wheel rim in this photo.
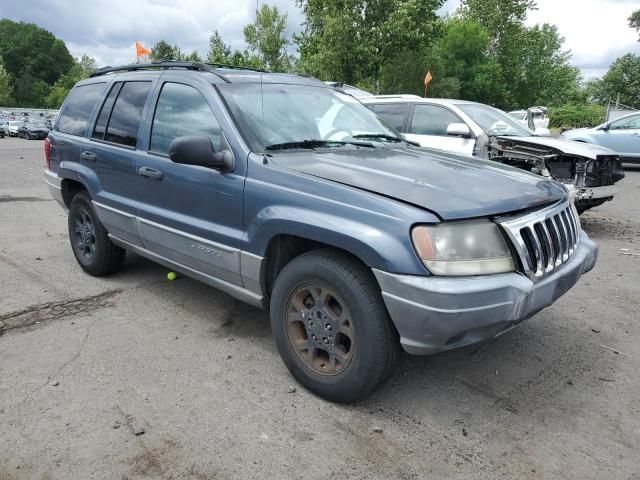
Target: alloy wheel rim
(84, 235)
(320, 329)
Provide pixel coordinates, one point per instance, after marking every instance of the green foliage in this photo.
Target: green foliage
(164, 51)
(357, 41)
(219, 52)
(529, 65)
(82, 68)
(35, 60)
(6, 89)
(576, 116)
(622, 81)
(634, 21)
(266, 38)
(460, 64)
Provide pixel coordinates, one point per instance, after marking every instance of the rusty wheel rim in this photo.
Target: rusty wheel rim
(320, 329)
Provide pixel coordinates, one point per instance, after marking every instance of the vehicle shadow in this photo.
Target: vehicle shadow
(517, 372)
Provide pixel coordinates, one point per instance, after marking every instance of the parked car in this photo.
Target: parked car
(33, 131)
(621, 135)
(4, 128)
(471, 128)
(529, 120)
(14, 127)
(355, 240)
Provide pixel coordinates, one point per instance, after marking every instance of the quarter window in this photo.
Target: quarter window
(432, 120)
(393, 113)
(127, 112)
(182, 111)
(75, 115)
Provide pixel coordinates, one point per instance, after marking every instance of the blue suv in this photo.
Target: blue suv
(292, 196)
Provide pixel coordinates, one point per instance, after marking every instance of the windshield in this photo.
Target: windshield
(276, 114)
(494, 121)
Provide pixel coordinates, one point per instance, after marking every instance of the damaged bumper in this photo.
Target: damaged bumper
(433, 314)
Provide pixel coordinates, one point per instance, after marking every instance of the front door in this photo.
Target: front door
(623, 136)
(428, 127)
(189, 214)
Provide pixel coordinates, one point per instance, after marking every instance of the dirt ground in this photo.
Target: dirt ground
(136, 377)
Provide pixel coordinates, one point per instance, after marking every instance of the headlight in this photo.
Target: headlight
(468, 248)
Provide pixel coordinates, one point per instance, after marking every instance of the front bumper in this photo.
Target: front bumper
(588, 193)
(433, 314)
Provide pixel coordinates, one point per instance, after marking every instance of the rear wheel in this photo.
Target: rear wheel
(93, 250)
(331, 327)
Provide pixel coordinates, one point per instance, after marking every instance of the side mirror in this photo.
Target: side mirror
(458, 129)
(191, 150)
(604, 127)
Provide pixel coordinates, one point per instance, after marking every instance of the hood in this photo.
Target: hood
(451, 186)
(568, 147)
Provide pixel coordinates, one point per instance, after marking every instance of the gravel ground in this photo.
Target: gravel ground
(134, 377)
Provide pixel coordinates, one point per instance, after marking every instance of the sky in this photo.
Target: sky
(595, 31)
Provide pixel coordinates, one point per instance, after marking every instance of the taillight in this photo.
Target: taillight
(47, 152)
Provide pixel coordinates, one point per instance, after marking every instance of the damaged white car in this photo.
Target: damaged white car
(470, 128)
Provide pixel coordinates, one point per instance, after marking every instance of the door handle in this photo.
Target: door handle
(88, 156)
(150, 172)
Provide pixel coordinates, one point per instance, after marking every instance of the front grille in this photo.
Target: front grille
(544, 240)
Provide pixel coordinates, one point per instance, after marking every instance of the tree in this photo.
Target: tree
(266, 38)
(163, 51)
(82, 68)
(6, 89)
(34, 58)
(356, 41)
(219, 52)
(531, 65)
(634, 21)
(461, 66)
(622, 81)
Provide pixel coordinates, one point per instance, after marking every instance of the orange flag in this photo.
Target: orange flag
(141, 51)
(427, 80)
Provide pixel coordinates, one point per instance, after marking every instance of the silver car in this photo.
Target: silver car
(621, 135)
(471, 128)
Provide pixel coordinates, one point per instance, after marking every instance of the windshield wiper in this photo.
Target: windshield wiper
(380, 136)
(311, 144)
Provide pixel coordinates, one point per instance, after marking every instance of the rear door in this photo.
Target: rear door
(112, 153)
(428, 126)
(189, 214)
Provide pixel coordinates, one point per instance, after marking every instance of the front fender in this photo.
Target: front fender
(386, 247)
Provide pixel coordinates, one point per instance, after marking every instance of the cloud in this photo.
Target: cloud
(108, 29)
(596, 31)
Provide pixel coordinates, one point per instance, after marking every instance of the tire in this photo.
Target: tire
(95, 253)
(364, 339)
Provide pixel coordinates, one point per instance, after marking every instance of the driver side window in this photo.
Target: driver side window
(432, 120)
(182, 111)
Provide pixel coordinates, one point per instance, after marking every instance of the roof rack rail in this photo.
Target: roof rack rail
(163, 64)
(235, 67)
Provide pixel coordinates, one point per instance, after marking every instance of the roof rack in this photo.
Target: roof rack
(165, 64)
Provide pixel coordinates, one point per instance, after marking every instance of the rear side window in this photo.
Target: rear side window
(75, 115)
(105, 112)
(181, 111)
(127, 112)
(393, 113)
(432, 120)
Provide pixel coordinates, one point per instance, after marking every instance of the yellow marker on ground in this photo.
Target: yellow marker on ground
(171, 276)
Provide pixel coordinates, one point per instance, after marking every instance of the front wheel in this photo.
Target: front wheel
(93, 250)
(331, 327)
